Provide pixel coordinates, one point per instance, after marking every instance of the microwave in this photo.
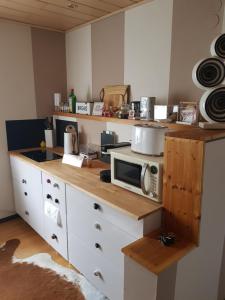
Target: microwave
(138, 173)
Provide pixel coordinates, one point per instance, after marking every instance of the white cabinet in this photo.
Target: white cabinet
(96, 234)
(32, 189)
(28, 193)
(87, 232)
(55, 229)
(102, 273)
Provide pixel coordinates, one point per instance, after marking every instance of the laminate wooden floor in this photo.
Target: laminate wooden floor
(30, 242)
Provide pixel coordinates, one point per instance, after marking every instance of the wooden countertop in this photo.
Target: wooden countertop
(87, 180)
(198, 134)
(151, 254)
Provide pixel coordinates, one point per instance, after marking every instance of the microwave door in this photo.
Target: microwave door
(127, 172)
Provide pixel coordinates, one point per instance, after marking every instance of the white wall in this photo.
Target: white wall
(107, 38)
(191, 40)
(17, 96)
(78, 61)
(223, 18)
(148, 49)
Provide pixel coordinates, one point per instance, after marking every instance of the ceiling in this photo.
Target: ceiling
(60, 14)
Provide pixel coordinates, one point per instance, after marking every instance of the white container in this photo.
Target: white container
(68, 143)
(57, 101)
(148, 139)
(49, 138)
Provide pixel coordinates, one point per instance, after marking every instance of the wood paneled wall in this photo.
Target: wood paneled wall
(183, 172)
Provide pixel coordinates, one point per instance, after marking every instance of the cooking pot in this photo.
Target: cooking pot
(148, 139)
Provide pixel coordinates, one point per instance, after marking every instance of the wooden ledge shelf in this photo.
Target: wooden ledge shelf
(177, 130)
(173, 126)
(151, 254)
(198, 134)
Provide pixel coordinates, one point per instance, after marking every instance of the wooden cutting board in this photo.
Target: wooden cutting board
(115, 95)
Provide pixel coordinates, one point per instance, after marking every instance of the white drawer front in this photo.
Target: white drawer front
(100, 235)
(79, 201)
(110, 279)
(56, 236)
(53, 186)
(22, 171)
(57, 200)
(21, 201)
(27, 193)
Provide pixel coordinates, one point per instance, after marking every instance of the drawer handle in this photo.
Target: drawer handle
(96, 206)
(49, 196)
(54, 237)
(98, 274)
(55, 185)
(24, 181)
(48, 181)
(26, 213)
(25, 193)
(57, 201)
(97, 226)
(98, 246)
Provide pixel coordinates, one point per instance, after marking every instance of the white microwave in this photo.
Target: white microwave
(141, 174)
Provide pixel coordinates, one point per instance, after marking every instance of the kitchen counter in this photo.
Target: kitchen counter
(152, 255)
(197, 134)
(88, 180)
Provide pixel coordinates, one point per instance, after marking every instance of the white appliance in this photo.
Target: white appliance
(218, 46)
(212, 105)
(209, 73)
(138, 173)
(148, 139)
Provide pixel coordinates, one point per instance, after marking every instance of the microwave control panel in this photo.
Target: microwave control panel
(155, 182)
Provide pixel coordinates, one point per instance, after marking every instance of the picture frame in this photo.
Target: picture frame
(188, 113)
(98, 108)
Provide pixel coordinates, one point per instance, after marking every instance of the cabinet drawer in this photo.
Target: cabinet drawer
(22, 171)
(21, 201)
(106, 277)
(57, 200)
(53, 186)
(81, 201)
(56, 236)
(28, 202)
(100, 235)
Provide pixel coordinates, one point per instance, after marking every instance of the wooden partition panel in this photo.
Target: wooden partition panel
(183, 171)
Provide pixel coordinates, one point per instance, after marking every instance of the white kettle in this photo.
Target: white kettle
(148, 139)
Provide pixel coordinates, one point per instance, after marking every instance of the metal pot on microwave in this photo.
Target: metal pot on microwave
(148, 139)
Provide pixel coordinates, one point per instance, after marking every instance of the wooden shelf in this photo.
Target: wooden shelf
(124, 121)
(151, 254)
(178, 130)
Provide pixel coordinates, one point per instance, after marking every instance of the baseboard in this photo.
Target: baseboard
(9, 218)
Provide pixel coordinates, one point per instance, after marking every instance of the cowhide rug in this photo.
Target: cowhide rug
(40, 278)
